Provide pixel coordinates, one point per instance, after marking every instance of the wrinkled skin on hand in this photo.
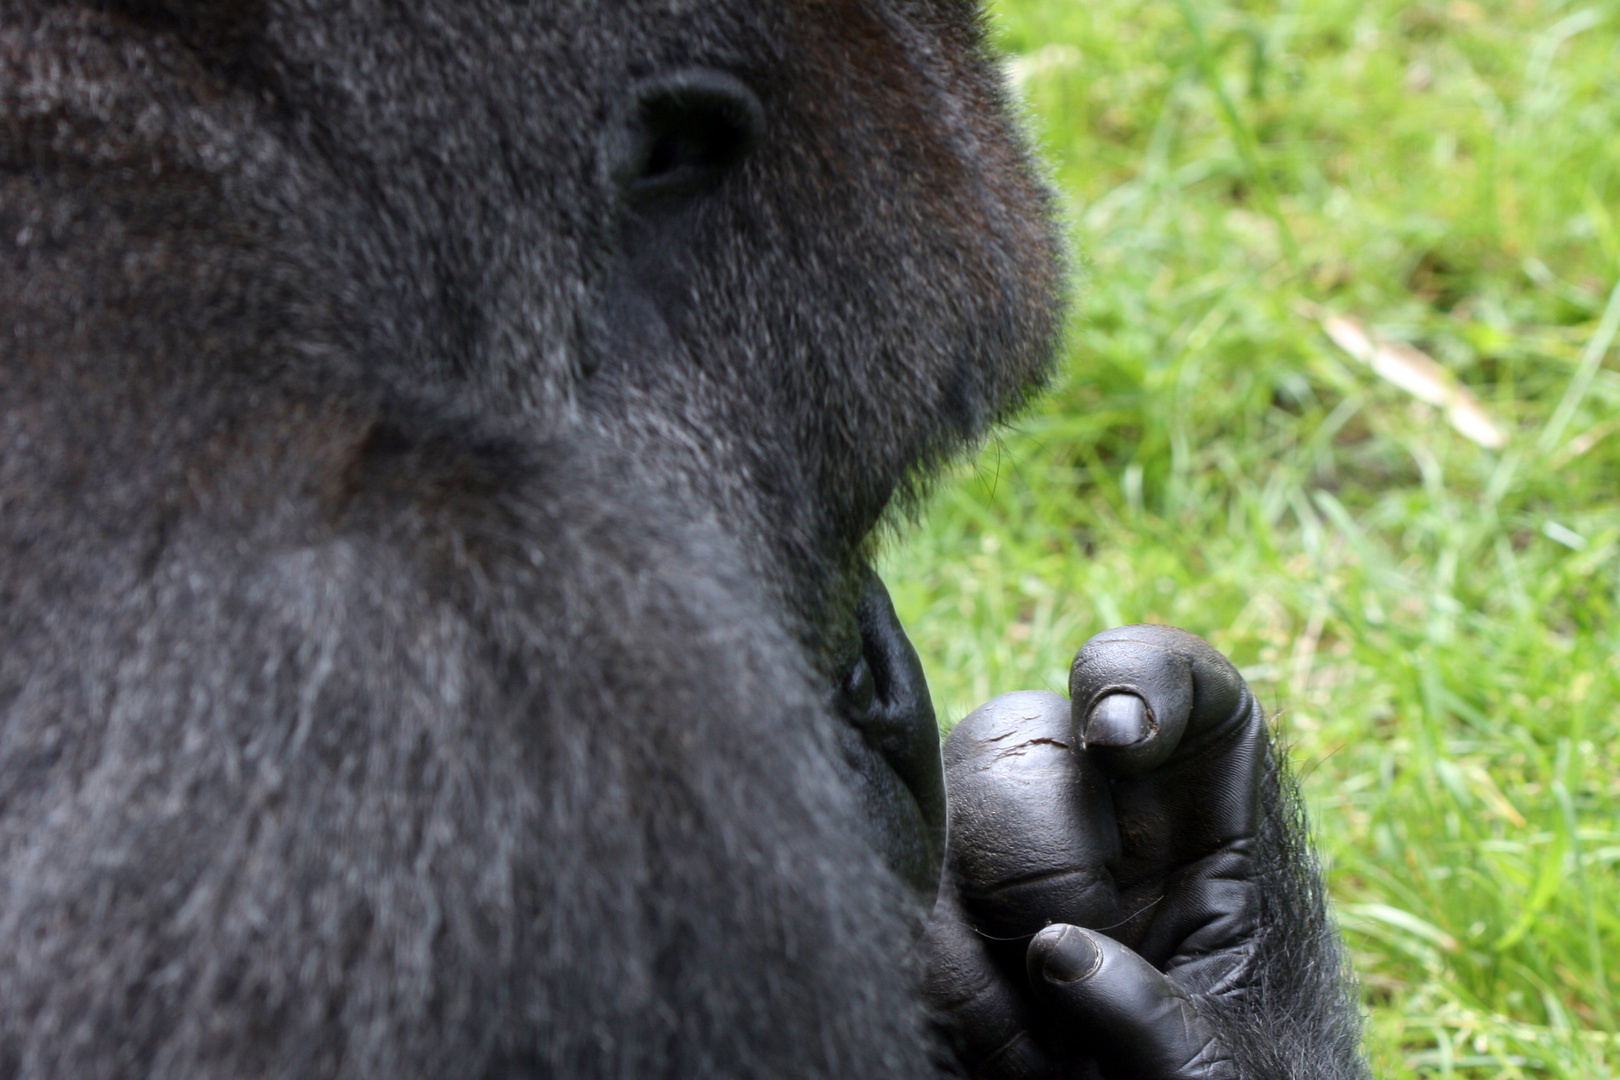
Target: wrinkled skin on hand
(1127, 892)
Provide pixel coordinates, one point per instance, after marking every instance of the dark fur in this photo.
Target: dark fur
(1297, 1017)
(419, 574)
(382, 695)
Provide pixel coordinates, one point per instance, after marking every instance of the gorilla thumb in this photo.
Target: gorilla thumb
(1129, 1015)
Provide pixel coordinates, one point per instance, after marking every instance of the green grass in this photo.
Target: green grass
(1434, 624)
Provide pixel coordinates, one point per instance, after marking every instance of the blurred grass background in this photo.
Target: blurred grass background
(1433, 622)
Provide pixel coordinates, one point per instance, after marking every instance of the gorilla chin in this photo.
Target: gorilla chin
(440, 442)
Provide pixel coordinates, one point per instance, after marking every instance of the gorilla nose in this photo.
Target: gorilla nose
(884, 697)
(682, 132)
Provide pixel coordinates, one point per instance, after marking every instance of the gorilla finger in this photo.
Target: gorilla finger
(980, 1013)
(1141, 693)
(1135, 1021)
(1032, 828)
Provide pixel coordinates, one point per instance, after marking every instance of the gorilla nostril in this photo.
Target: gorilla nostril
(683, 131)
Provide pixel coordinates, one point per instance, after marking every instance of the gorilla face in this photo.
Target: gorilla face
(439, 444)
(882, 330)
(723, 295)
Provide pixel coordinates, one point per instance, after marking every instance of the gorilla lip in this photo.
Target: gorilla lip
(883, 697)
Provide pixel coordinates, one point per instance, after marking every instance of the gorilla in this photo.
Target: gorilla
(441, 443)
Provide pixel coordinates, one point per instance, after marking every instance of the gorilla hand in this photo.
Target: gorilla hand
(1135, 812)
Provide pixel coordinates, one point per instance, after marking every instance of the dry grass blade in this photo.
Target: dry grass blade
(1416, 372)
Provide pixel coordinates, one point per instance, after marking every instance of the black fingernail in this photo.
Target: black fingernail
(1118, 720)
(1072, 957)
